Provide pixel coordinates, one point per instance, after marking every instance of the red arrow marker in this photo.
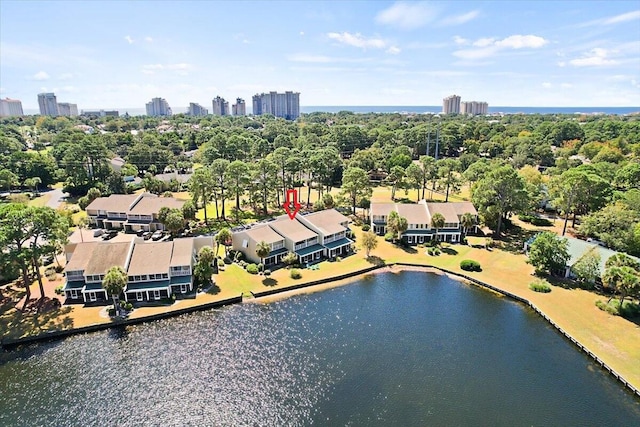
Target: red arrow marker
(291, 205)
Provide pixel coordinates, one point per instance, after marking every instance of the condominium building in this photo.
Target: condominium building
(158, 107)
(100, 113)
(67, 109)
(451, 104)
(474, 108)
(285, 105)
(48, 104)
(10, 107)
(239, 108)
(197, 110)
(220, 107)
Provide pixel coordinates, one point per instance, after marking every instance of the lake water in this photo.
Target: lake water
(406, 349)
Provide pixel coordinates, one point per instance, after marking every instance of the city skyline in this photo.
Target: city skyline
(344, 53)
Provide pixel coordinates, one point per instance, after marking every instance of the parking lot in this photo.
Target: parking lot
(88, 236)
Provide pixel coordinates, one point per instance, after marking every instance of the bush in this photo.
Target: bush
(239, 256)
(59, 268)
(267, 273)
(470, 265)
(338, 259)
(227, 260)
(252, 269)
(629, 309)
(433, 251)
(290, 258)
(112, 312)
(389, 237)
(58, 289)
(295, 274)
(128, 306)
(260, 267)
(366, 227)
(539, 286)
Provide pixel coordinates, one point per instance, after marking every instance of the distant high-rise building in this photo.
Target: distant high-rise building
(285, 105)
(100, 113)
(158, 107)
(48, 104)
(451, 104)
(10, 107)
(197, 110)
(474, 108)
(220, 107)
(239, 108)
(67, 109)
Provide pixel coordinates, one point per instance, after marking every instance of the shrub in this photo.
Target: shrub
(295, 274)
(252, 269)
(128, 306)
(389, 237)
(112, 312)
(59, 268)
(366, 227)
(260, 267)
(227, 260)
(541, 222)
(629, 309)
(290, 258)
(267, 273)
(434, 251)
(470, 265)
(239, 256)
(539, 286)
(58, 289)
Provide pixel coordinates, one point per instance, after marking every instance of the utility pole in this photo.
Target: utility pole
(437, 140)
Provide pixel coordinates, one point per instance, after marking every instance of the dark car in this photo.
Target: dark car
(109, 234)
(140, 233)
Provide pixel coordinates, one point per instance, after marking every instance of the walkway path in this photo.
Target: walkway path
(56, 198)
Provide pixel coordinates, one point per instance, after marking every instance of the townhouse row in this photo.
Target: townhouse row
(130, 212)
(311, 237)
(155, 270)
(419, 215)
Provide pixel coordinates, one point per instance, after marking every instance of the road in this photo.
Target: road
(56, 197)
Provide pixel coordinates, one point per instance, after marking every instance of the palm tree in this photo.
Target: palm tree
(437, 222)
(82, 224)
(624, 280)
(114, 283)
(401, 226)
(262, 250)
(224, 237)
(467, 221)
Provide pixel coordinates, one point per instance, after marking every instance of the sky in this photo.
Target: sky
(507, 53)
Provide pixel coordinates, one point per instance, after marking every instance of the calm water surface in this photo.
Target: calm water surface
(407, 349)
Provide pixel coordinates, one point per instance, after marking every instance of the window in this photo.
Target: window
(165, 275)
(92, 296)
(139, 296)
(156, 294)
(245, 243)
(183, 289)
(74, 293)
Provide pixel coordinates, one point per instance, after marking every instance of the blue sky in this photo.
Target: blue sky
(517, 53)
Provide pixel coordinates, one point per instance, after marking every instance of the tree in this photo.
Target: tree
(622, 260)
(355, 185)
(415, 178)
(395, 177)
(8, 179)
(437, 222)
(238, 179)
(15, 233)
(223, 238)
(83, 222)
(201, 188)
(204, 266)
(401, 226)
(262, 250)
(174, 221)
(587, 267)
(114, 283)
(219, 169)
(264, 180)
(549, 253)
(163, 213)
(369, 241)
(623, 279)
(500, 192)
(448, 176)
(48, 229)
(467, 220)
(327, 201)
(189, 210)
(616, 226)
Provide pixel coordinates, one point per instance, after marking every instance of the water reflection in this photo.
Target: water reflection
(406, 349)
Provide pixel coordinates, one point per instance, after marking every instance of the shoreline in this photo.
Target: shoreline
(277, 294)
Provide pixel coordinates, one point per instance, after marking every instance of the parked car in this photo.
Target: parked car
(147, 235)
(109, 234)
(157, 235)
(140, 233)
(98, 232)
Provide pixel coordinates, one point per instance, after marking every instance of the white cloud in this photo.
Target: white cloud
(406, 15)
(322, 59)
(181, 68)
(40, 76)
(393, 50)
(128, 39)
(488, 47)
(612, 20)
(148, 39)
(459, 19)
(66, 76)
(460, 40)
(546, 85)
(302, 33)
(484, 42)
(518, 42)
(566, 85)
(597, 57)
(358, 40)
